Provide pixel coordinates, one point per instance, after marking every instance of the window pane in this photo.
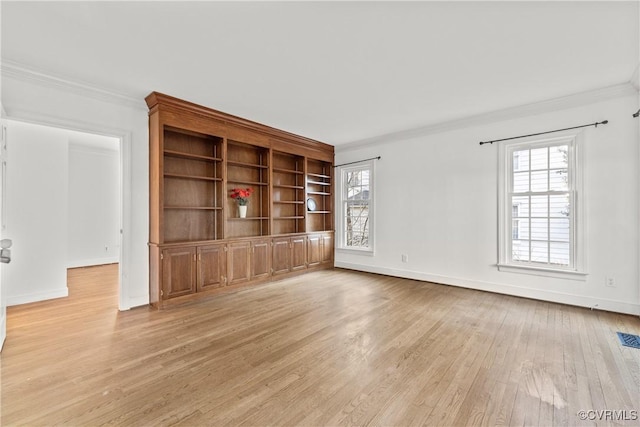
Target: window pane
(357, 215)
(539, 229)
(521, 182)
(559, 205)
(539, 252)
(560, 254)
(539, 206)
(539, 159)
(539, 181)
(558, 180)
(558, 157)
(521, 160)
(520, 250)
(522, 202)
(523, 229)
(559, 229)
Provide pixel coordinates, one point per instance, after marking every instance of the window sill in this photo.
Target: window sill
(367, 252)
(546, 272)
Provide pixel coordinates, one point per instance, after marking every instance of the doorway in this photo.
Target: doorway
(64, 207)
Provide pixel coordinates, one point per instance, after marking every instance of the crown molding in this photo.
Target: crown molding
(29, 74)
(555, 104)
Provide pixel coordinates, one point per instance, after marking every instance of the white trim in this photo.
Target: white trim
(92, 262)
(500, 288)
(125, 186)
(356, 251)
(93, 150)
(340, 226)
(38, 296)
(547, 272)
(578, 234)
(30, 74)
(555, 104)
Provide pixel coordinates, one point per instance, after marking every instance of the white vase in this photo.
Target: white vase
(242, 211)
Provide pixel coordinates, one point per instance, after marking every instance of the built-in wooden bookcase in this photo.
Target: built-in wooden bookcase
(288, 193)
(198, 244)
(192, 186)
(248, 167)
(319, 195)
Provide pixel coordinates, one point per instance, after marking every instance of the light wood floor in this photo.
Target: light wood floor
(328, 348)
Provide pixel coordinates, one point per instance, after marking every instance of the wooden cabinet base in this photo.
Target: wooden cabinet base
(185, 272)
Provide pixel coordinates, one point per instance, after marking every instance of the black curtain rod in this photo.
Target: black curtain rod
(604, 122)
(358, 161)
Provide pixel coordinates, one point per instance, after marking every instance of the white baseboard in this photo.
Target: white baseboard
(39, 296)
(92, 262)
(562, 298)
(136, 302)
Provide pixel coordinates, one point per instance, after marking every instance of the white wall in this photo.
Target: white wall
(436, 200)
(38, 98)
(94, 202)
(36, 213)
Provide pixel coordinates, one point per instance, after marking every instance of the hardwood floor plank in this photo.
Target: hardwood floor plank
(332, 347)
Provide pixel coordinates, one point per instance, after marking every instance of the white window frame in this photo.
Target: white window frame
(577, 267)
(341, 196)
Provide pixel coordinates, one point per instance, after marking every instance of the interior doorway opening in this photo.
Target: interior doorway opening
(64, 207)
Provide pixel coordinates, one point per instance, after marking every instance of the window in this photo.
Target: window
(539, 195)
(515, 216)
(356, 207)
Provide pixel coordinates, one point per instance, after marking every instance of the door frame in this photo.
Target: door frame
(125, 162)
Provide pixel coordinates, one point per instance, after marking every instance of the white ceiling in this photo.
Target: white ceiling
(333, 71)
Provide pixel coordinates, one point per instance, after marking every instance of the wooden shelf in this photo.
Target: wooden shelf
(184, 176)
(289, 202)
(204, 208)
(289, 217)
(295, 187)
(237, 181)
(318, 212)
(288, 171)
(317, 175)
(318, 183)
(248, 218)
(319, 193)
(183, 155)
(246, 165)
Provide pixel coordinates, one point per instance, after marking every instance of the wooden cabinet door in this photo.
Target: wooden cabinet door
(238, 262)
(314, 250)
(178, 272)
(212, 266)
(281, 255)
(327, 248)
(260, 258)
(298, 253)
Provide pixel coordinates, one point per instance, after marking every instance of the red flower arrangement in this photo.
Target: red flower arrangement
(241, 195)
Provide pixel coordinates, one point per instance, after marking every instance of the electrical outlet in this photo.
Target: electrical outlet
(610, 282)
(405, 258)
